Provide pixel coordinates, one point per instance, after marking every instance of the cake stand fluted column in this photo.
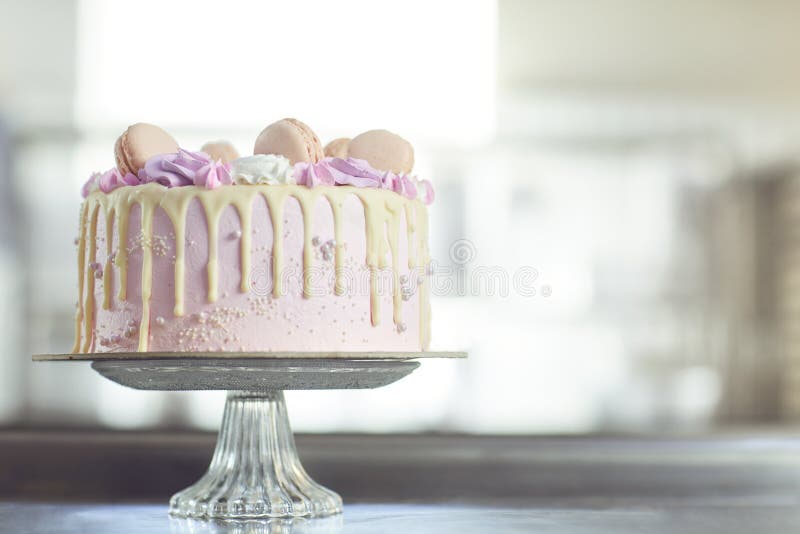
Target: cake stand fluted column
(255, 471)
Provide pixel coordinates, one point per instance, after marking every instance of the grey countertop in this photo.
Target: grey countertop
(105, 482)
(760, 516)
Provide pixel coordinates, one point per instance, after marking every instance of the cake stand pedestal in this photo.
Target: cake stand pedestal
(255, 471)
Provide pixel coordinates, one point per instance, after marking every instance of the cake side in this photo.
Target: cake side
(198, 269)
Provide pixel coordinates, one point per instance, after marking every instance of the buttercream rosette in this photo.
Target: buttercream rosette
(108, 181)
(185, 168)
(268, 169)
(359, 173)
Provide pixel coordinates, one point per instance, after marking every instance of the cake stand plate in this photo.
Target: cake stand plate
(252, 371)
(255, 471)
(253, 375)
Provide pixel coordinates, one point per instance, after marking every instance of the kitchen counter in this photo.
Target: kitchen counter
(119, 482)
(762, 516)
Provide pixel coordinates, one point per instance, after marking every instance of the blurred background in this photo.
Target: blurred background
(617, 189)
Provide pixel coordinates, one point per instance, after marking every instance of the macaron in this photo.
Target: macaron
(289, 138)
(140, 142)
(383, 150)
(337, 148)
(220, 150)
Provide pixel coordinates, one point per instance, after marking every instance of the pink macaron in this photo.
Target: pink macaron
(140, 142)
(220, 151)
(383, 150)
(289, 138)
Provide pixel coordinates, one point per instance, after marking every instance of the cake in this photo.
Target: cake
(288, 249)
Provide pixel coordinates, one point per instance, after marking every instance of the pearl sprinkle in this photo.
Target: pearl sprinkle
(327, 249)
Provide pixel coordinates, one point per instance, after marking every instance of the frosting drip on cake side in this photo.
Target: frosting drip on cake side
(382, 213)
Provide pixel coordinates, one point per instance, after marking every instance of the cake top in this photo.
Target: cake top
(285, 152)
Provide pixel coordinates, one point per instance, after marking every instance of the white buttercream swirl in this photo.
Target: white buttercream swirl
(262, 169)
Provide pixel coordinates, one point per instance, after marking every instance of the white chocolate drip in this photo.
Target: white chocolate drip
(382, 214)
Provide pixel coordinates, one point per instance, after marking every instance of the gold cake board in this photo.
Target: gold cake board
(289, 355)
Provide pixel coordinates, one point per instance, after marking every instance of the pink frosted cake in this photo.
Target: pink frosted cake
(291, 249)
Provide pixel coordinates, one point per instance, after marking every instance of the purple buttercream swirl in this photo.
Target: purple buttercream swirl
(185, 168)
(197, 168)
(359, 173)
(108, 181)
(90, 185)
(113, 179)
(426, 195)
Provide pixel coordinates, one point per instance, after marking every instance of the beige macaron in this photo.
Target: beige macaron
(140, 142)
(337, 148)
(289, 138)
(383, 150)
(220, 151)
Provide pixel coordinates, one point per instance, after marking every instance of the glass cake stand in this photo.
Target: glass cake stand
(255, 471)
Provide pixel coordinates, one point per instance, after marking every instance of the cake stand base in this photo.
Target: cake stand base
(255, 471)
